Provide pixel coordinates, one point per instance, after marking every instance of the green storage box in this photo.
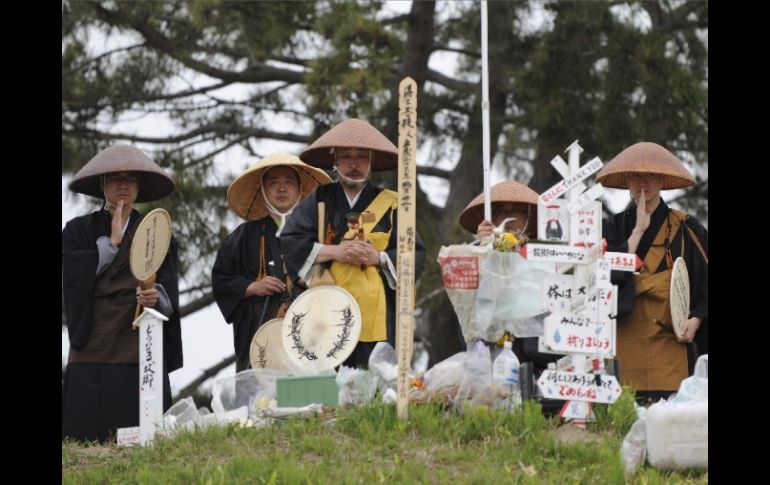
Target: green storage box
(298, 391)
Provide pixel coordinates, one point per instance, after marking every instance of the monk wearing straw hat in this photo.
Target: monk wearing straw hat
(510, 200)
(516, 203)
(365, 267)
(101, 383)
(249, 278)
(653, 358)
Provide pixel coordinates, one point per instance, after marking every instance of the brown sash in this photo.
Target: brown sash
(650, 356)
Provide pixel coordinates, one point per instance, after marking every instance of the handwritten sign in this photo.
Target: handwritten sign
(607, 308)
(586, 225)
(623, 261)
(601, 388)
(150, 325)
(460, 272)
(557, 292)
(577, 334)
(568, 183)
(563, 169)
(407, 200)
(128, 436)
(555, 253)
(679, 295)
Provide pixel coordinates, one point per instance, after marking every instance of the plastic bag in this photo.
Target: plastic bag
(383, 363)
(356, 386)
(509, 295)
(633, 450)
(245, 389)
(460, 272)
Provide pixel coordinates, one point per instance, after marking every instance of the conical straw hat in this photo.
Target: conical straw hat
(645, 157)
(245, 193)
(153, 182)
(506, 191)
(352, 133)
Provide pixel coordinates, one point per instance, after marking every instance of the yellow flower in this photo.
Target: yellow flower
(510, 238)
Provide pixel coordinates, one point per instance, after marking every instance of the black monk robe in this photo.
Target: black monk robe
(301, 232)
(237, 265)
(80, 258)
(101, 383)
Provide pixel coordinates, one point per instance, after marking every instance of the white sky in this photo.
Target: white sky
(206, 337)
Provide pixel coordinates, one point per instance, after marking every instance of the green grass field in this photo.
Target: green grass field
(370, 445)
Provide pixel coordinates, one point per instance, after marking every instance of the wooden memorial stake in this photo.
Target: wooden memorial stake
(148, 250)
(407, 205)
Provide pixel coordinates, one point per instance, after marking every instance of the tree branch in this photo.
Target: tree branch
(195, 305)
(255, 73)
(221, 128)
(224, 147)
(207, 374)
(434, 172)
(77, 68)
(466, 52)
(449, 82)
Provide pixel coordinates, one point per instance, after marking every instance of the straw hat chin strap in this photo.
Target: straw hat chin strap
(277, 213)
(349, 181)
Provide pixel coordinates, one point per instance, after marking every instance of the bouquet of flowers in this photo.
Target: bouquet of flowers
(506, 242)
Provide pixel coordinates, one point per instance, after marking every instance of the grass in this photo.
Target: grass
(370, 445)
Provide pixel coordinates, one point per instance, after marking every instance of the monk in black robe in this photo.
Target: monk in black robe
(653, 358)
(366, 269)
(101, 382)
(251, 285)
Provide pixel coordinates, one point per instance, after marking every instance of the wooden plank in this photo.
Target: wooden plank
(407, 206)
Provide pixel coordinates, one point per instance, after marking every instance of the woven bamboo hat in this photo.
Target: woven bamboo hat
(245, 193)
(153, 182)
(507, 191)
(645, 157)
(352, 133)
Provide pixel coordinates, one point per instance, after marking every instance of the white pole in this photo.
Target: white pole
(485, 111)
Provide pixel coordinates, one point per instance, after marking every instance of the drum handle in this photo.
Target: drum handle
(321, 222)
(146, 285)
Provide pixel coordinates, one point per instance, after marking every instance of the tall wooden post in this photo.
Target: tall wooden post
(407, 234)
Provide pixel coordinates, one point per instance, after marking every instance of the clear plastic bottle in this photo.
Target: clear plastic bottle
(505, 376)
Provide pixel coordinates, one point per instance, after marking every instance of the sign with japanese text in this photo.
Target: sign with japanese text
(568, 183)
(586, 225)
(623, 261)
(460, 272)
(679, 296)
(601, 388)
(583, 334)
(407, 236)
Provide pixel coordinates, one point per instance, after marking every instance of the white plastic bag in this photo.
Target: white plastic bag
(509, 295)
(356, 386)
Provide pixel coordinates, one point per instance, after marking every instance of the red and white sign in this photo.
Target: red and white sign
(579, 387)
(556, 253)
(568, 183)
(460, 272)
(623, 261)
(561, 166)
(585, 225)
